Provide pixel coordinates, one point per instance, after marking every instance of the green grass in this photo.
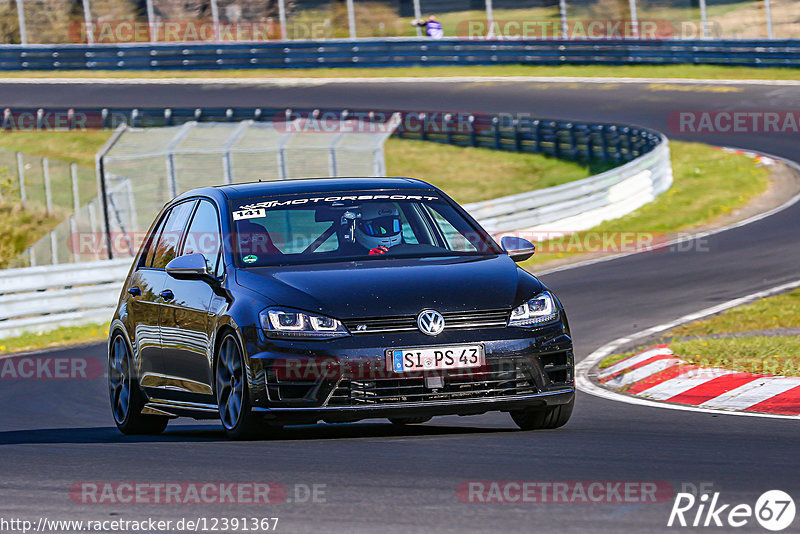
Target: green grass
(72, 335)
(473, 174)
(780, 311)
(72, 147)
(611, 360)
(712, 72)
(708, 183)
(779, 355)
(19, 228)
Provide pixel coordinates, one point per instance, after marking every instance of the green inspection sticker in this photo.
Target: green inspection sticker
(250, 259)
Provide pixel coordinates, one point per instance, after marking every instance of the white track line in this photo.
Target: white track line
(584, 368)
(294, 82)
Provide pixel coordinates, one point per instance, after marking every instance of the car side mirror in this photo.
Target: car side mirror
(189, 267)
(519, 249)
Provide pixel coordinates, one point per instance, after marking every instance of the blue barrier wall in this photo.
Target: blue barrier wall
(398, 52)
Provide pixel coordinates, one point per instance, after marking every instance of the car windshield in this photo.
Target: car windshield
(294, 229)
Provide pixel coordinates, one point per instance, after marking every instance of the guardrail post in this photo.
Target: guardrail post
(517, 136)
(48, 196)
(473, 135)
(496, 132)
(23, 197)
(23, 34)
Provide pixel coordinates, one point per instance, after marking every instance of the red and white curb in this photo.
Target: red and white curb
(738, 400)
(657, 374)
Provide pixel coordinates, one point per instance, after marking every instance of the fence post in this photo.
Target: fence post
(76, 202)
(215, 19)
(768, 13)
(53, 248)
(562, 10)
(23, 197)
(74, 241)
(351, 18)
(87, 19)
(634, 19)
(704, 19)
(417, 16)
(151, 21)
(48, 195)
(489, 19)
(23, 34)
(282, 19)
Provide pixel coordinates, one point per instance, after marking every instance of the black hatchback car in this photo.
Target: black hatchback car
(279, 303)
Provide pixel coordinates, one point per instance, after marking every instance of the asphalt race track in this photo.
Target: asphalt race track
(54, 433)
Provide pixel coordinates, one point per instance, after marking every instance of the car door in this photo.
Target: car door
(186, 334)
(163, 248)
(142, 301)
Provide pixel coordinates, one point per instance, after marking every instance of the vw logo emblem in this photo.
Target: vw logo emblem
(430, 322)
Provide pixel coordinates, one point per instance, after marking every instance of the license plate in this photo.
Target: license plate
(435, 358)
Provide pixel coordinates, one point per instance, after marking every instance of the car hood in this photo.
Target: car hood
(391, 287)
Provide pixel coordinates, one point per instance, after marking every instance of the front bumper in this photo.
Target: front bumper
(347, 379)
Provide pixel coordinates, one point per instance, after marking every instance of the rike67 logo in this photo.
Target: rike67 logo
(774, 510)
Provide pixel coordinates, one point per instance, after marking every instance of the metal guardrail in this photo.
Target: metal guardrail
(399, 52)
(37, 299)
(583, 204)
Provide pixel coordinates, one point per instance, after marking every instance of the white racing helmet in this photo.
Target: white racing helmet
(379, 226)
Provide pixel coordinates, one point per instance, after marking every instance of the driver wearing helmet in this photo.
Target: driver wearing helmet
(379, 227)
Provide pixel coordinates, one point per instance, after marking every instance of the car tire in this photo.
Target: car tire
(233, 394)
(127, 399)
(409, 420)
(543, 418)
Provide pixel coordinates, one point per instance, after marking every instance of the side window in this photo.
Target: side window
(409, 236)
(203, 236)
(167, 248)
(455, 240)
(147, 256)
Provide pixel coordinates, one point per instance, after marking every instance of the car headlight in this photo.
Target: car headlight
(285, 322)
(538, 310)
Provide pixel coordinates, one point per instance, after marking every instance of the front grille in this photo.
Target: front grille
(408, 323)
(498, 378)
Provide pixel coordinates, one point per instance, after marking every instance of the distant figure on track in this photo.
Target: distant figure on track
(432, 26)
